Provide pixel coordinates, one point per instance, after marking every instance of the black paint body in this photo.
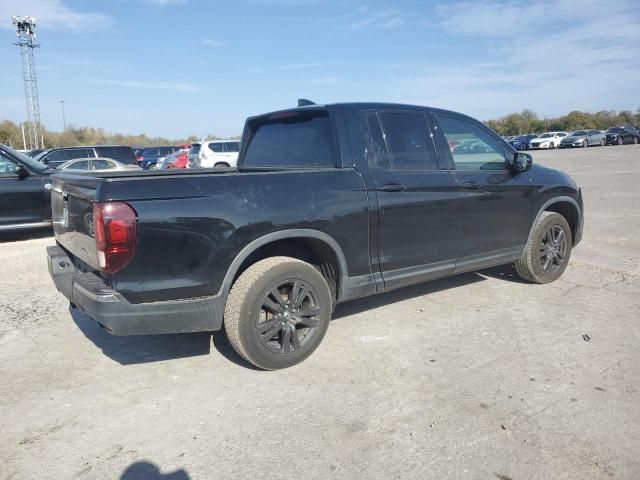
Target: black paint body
(196, 227)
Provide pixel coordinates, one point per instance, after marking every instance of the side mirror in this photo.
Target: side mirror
(521, 162)
(21, 172)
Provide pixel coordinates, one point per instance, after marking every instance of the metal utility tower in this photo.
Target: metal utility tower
(26, 33)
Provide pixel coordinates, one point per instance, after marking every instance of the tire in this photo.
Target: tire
(635, 140)
(221, 165)
(541, 264)
(552, 146)
(620, 141)
(602, 142)
(153, 167)
(585, 144)
(252, 303)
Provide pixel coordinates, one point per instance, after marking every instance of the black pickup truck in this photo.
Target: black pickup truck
(328, 203)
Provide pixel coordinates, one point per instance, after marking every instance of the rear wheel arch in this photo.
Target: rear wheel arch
(311, 246)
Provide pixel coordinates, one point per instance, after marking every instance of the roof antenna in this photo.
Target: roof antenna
(303, 102)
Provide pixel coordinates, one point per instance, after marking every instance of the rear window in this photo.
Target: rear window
(296, 139)
(121, 154)
(194, 149)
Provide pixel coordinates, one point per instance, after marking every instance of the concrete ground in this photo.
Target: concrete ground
(475, 376)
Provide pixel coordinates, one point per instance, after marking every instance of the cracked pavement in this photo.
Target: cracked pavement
(474, 376)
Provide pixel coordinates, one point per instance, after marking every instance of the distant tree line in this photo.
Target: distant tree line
(11, 134)
(528, 121)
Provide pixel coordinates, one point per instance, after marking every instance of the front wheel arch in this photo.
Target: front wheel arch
(565, 206)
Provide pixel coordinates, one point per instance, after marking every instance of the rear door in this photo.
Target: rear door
(418, 208)
(22, 200)
(497, 202)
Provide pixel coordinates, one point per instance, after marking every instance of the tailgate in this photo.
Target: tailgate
(72, 198)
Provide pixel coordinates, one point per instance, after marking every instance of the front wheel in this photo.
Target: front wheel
(620, 141)
(602, 142)
(552, 146)
(585, 144)
(547, 253)
(278, 312)
(635, 140)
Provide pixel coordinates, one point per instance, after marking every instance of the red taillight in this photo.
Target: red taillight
(114, 226)
(139, 158)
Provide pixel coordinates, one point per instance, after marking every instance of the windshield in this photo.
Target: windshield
(546, 135)
(194, 149)
(579, 133)
(28, 161)
(615, 130)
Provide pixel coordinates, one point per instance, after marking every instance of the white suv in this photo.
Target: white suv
(215, 153)
(547, 140)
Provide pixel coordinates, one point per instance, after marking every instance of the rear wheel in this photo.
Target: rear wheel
(153, 167)
(548, 251)
(278, 312)
(221, 165)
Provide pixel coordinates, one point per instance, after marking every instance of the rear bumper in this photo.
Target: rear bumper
(112, 311)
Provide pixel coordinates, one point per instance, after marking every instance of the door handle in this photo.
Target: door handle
(393, 187)
(470, 185)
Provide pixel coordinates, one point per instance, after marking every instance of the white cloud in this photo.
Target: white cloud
(550, 56)
(53, 14)
(370, 18)
(207, 42)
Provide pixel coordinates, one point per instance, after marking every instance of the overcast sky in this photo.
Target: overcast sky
(180, 67)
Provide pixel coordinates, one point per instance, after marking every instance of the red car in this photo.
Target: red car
(180, 160)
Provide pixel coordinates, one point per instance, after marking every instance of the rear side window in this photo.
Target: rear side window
(472, 147)
(215, 147)
(408, 141)
(79, 153)
(292, 139)
(150, 152)
(121, 154)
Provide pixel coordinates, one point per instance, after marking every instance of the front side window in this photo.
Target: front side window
(472, 148)
(291, 139)
(101, 164)
(79, 165)
(231, 147)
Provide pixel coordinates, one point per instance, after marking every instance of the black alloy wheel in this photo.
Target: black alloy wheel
(554, 248)
(288, 317)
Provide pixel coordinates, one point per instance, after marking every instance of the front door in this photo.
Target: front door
(418, 220)
(22, 200)
(497, 201)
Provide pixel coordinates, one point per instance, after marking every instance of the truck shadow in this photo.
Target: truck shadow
(131, 350)
(6, 237)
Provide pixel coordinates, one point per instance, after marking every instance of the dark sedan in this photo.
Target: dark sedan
(522, 142)
(25, 201)
(621, 135)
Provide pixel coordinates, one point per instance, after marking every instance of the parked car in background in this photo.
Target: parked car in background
(621, 135)
(522, 142)
(270, 248)
(96, 165)
(148, 158)
(192, 156)
(176, 159)
(35, 152)
(218, 153)
(164, 162)
(25, 198)
(583, 138)
(54, 157)
(547, 140)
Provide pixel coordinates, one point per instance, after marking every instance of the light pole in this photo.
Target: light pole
(64, 120)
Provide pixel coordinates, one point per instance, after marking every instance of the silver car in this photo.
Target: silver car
(96, 165)
(583, 138)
